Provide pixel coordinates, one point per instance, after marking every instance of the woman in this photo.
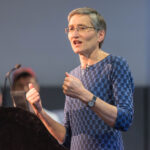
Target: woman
(99, 92)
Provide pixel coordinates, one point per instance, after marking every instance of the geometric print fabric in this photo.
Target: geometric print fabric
(111, 81)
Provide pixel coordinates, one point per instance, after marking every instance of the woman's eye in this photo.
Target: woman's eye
(82, 28)
(71, 29)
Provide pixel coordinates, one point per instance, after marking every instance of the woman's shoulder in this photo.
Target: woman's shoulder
(118, 60)
(75, 70)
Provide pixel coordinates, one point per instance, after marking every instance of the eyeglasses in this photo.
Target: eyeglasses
(80, 29)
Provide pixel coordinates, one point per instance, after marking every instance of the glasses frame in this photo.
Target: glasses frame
(78, 28)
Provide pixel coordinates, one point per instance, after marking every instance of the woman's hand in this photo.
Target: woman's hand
(34, 99)
(72, 86)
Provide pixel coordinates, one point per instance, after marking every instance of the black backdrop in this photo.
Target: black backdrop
(138, 135)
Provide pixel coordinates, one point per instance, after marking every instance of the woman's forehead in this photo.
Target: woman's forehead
(79, 20)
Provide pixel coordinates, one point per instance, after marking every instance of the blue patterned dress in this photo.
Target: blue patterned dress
(111, 81)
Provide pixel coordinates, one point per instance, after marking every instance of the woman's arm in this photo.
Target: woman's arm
(56, 129)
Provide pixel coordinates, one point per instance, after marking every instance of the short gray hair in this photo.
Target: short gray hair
(97, 20)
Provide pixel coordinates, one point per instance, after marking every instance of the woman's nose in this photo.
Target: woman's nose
(75, 33)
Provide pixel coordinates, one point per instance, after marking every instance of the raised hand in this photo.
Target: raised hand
(72, 86)
(34, 99)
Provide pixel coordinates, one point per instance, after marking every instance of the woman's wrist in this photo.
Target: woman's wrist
(86, 96)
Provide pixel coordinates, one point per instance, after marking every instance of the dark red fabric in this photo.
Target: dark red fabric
(22, 130)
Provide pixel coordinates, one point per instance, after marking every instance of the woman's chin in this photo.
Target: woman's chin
(77, 51)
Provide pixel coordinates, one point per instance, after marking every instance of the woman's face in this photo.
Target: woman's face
(83, 40)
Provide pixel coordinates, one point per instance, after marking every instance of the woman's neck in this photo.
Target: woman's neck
(93, 58)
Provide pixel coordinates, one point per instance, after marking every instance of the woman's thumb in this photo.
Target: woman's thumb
(67, 74)
(31, 86)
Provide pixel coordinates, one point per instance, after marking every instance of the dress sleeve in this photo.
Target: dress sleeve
(67, 139)
(123, 88)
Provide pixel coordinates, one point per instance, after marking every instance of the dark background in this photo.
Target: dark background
(138, 135)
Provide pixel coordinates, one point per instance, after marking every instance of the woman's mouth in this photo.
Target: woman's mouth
(77, 42)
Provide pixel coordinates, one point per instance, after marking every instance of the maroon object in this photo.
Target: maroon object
(23, 70)
(22, 130)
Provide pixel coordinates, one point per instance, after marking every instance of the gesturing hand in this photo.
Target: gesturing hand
(34, 99)
(72, 86)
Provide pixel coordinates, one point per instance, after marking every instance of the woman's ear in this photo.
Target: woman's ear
(100, 36)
